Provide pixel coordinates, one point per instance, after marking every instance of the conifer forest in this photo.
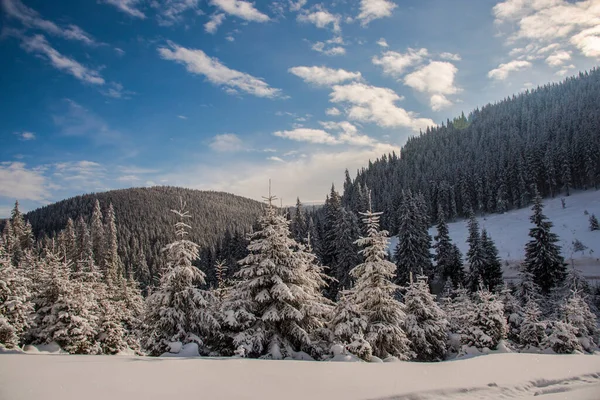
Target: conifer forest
(165, 270)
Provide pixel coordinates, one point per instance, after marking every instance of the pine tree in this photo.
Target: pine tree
(274, 307)
(177, 311)
(346, 321)
(333, 207)
(475, 256)
(513, 312)
(65, 309)
(374, 293)
(84, 250)
(447, 256)
(532, 328)
(97, 233)
(68, 245)
(299, 224)
(347, 231)
(425, 325)
(15, 306)
(562, 338)
(487, 326)
(576, 312)
(492, 270)
(17, 225)
(594, 225)
(412, 254)
(542, 255)
(113, 265)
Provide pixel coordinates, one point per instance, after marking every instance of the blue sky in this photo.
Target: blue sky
(225, 94)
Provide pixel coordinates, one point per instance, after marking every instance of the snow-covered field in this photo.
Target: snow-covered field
(506, 376)
(510, 232)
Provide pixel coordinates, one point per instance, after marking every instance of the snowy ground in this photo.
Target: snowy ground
(510, 232)
(506, 376)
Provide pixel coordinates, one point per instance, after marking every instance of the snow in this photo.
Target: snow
(54, 377)
(510, 232)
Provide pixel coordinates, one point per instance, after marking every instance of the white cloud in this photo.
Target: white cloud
(128, 178)
(322, 47)
(19, 182)
(565, 70)
(307, 177)
(213, 24)
(321, 18)
(450, 56)
(297, 6)
(38, 45)
(333, 111)
(119, 51)
(503, 70)
(382, 42)
(128, 7)
(540, 22)
(31, 19)
(394, 63)
(197, 62)
(26, 135)
(171, 11)
(435, 79)
(241, 9)
(226, 142)
(349, 133)
(273, 158)
(374, 9)
(558, 58)
(317, 136)
(377, 105)
(324, 76)
(182, 117)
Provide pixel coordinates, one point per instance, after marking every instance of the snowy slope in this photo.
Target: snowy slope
(54, 377)
(510, 232)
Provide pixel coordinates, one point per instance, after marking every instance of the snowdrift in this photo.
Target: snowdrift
(54, 377)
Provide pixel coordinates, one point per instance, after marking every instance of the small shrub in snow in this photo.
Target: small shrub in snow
(360, 347)
(533, 330)
(594, 225)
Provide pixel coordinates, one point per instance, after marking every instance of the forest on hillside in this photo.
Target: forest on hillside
(487, 161)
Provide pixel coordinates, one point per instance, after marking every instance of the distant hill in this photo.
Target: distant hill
(144, 219)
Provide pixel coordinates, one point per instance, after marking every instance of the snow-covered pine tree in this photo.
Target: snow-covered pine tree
(527, 289)
(447, 256)
(299, 226)
(84, 253)
(374, 293)
(97, 233)
(576, 312)
(542, 255)
(513, 312)
(492, 270)
(475, 256)
(488, 325)
(65, 310)
(272, 309)
(594, 225)
(113, 266)
(332, 207)
(177, 311)
(412, 253)
(347, 231)
(426, 325)
(15, 306)
(562, 338)
(532, 328)
(68, 244)
(346, 320)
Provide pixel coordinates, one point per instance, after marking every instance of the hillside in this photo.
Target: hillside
(510, 232)
(488, 160)
(144, 220)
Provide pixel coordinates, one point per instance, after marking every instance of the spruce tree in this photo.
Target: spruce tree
(532, 328)
(299, 225)
(576, 312)
(426, 325)
(487, 326)
(69, 243)
(412, 253)
(475, 256)
(447, 256)
(113, 267)
(84, 250)
(492, 270)
(97, 233)
(275, 306)
(333, 207)
(542, 255)
(347, 231)
(374, 294)
(594, 225)
(177, 311)
(15, 305)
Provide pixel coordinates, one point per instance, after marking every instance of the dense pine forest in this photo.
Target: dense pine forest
(143, 227)
(161, 270)
(487, 161)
